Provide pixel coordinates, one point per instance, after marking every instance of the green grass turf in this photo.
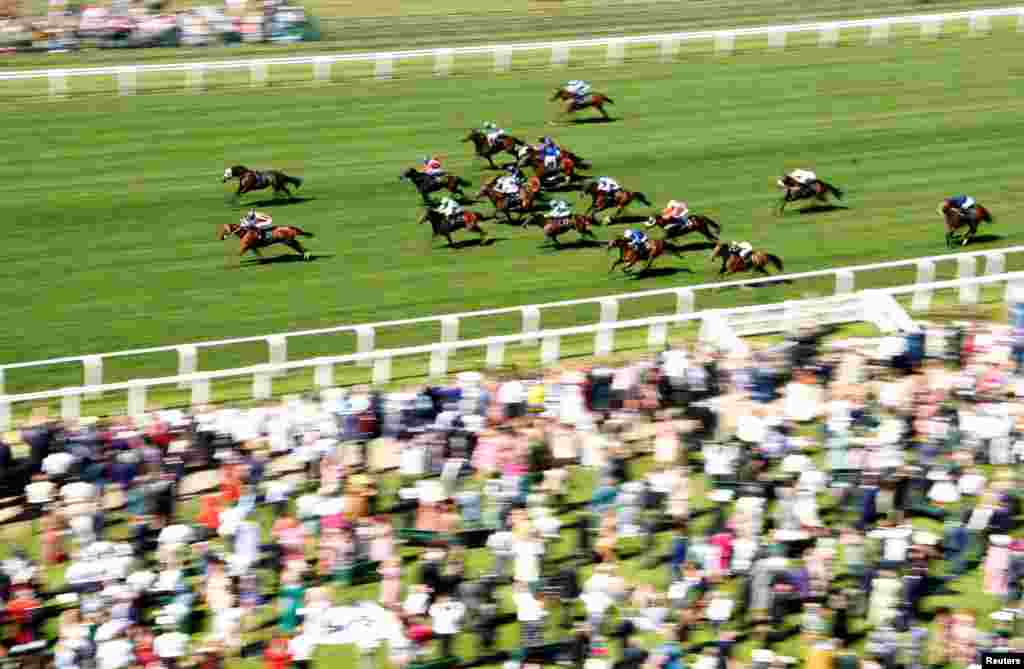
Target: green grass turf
(113, 203)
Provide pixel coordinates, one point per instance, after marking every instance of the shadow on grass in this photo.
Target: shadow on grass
(821, 209)
(280, 201)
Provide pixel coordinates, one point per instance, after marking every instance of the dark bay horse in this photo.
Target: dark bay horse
(956, 219)
(694, 223)
(566, 167)
(794, 190)
(629, 258)
(486, 150)
(556, 227)
(442, 226)
(594, 100)
(620, 199)
(254, 240)
(426, 184)
(250, 180)
(732, 263)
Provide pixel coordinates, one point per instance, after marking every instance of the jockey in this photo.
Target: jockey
(255, 221)
(551, 153)
(578, 89)
(742, 249)
(962, 204)
(636, 239)
(676, 212)
(493, 132)
(607, 185)
(508, 184)
(432, 167)
(559, 209)
(803, 177)
(449, 208)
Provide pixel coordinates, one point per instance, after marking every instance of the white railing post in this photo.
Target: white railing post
(187, 357)
(321, 69)
(604, 341)
(200, 391)
(137, 400)
(384, 66)
(828, 36)
(442, 62)
(979, 25)
(684, 300)
(92, 366)
(365, 343)
(609, 310)
(195, 77)
(5, 415)
(668, 50)
(925, 271)
(725, 43)
(438, 363)
(657, 336)
(777, 39)
(995, 263)
(70, 405)
(323, 377)
(967, 267)
(790, 317)
(257, 73)
(502, 60)
(495, 354)
(559, 55)
(262, 388)
(449, 329)
(126, 80)
(1014, 292)
(931, 28)
(58, 84)
(382, 370)
(844, 282)
(549, 351)
(1020, 21)
(922, 299)
(278, 349)
(616, 52)
(531, 323)
(879, 33)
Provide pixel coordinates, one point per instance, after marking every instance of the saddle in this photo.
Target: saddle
(266, 234)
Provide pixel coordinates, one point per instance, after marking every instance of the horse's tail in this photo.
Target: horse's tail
(832, 189)
(986, 215)
(775, 260)
(607, 99)
(295, 181)
(643, 198)
(302, 233)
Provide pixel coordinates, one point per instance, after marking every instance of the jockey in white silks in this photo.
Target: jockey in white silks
(803, 177)
(578, 89)
(508, 185)
(493, 132)
(607, 185)
(449, 208)
(255, 221)
(742, 249)
(559, 209)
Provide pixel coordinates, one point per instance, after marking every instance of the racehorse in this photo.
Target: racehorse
(567, 165)
(595, 100)
(956, 219)
(733, 263)
(521, 203)
(620, 199)
(254, 240)
(629, 258)
(427, 184)
(695, 223)
(444, 227)
(794, 191)
(485, 149)
(250, 180)
(556, 227)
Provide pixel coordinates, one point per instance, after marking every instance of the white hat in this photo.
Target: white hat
(762, 655)
(1000, 540)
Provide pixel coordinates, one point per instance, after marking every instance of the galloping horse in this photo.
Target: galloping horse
(486, 150)
(556, 227)
(694, 223)
(254, 240)
(794, 191)
(520, 203)
(250, 180)
(732, 263)
(956, 219)
(444, 227)
(629, 258)
(572, 104)
(427, 184)
(568, 163)
(620, 199)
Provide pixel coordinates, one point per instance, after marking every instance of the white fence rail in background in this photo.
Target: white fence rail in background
(721, 328)
(724, 40)
(530, 316)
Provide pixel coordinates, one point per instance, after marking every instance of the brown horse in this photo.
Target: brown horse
(620, 199)
(629, 258)
(732, 263)
(521, 203)
(956, 219)
(566, 167)
(486, 150)
(595, 100)
(426, 184)
(694, 223)
(444, 227)
(250, 180)
(556, 227)
(254, 240)
(794, 190)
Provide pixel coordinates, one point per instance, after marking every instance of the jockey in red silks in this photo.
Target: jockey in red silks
(432, 167)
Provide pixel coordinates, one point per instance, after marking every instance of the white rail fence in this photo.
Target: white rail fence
(721, 328)
(530, 316)
(879, 29)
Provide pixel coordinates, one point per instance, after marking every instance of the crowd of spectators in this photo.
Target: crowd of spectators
(685, 509)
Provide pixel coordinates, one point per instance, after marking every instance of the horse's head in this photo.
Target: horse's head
(651, 222)
(408, 174)
(473, 136)
(232, 172)
(228, 229)
(559, 94)
(786, 181)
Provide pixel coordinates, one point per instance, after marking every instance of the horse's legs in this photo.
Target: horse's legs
(600, 108)
(615, 264)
